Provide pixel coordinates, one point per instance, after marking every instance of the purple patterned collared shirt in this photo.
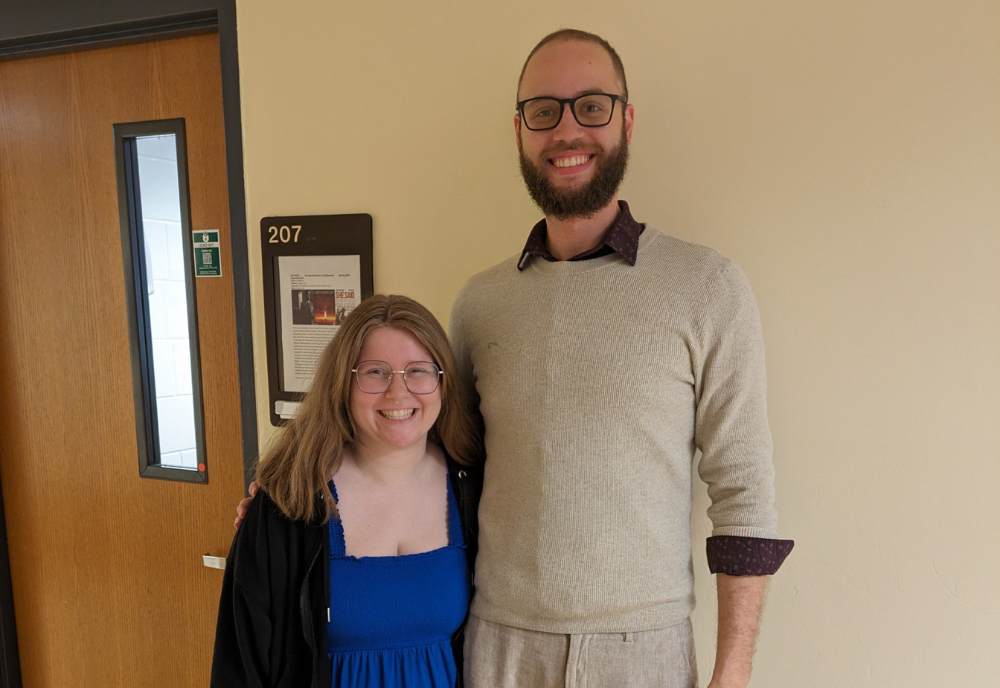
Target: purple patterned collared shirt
(622, 238)
(729, 554)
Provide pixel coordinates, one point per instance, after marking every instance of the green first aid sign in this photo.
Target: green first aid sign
(207, 262)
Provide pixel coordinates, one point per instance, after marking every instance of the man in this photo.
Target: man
(604, 355)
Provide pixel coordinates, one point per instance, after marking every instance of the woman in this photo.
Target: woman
(352, 567)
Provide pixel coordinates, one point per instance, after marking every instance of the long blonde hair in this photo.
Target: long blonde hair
(299, 463)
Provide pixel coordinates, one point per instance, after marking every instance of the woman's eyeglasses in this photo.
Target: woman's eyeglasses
(420, 377)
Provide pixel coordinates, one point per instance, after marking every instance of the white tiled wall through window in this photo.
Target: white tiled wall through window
(161, 223)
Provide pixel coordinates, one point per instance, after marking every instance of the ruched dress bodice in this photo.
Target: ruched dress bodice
(392, 618)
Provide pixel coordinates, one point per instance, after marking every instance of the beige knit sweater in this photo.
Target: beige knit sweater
(597, 381)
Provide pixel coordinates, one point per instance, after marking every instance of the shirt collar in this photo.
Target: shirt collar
(622, 238)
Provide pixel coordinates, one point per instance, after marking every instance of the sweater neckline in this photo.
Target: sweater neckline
(579, 267)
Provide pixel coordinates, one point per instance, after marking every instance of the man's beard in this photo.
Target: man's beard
(588, 199)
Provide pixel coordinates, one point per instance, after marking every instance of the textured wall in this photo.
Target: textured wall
(846, 154)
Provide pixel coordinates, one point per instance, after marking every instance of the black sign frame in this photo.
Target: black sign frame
(305, 235)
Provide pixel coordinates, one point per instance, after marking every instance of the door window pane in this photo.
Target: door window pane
(167, 290)
(159, 273)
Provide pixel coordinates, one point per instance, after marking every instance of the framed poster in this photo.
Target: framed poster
(316, 269)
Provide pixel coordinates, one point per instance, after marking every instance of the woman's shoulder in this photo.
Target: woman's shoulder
(453, 466)
(265, 525)
(267, 539)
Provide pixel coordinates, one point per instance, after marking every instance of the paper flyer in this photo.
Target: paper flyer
(316, 294)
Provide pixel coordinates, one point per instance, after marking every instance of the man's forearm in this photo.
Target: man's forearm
(740, 602)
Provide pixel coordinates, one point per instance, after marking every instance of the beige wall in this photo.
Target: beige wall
(846, 154)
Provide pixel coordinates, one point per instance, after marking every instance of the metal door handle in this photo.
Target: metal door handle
(213, 562)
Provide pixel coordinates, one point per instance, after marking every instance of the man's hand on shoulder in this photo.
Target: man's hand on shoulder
(241, 508)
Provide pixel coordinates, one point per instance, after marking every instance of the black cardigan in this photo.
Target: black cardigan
(271, 631)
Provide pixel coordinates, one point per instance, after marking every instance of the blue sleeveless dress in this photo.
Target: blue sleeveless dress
(392, 618)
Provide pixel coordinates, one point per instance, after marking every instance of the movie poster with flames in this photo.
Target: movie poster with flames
(316, 294)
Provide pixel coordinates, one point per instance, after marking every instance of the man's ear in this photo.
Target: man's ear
(629, 121)
(517, 129)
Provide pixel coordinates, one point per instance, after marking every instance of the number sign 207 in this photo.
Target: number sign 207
(284, 234)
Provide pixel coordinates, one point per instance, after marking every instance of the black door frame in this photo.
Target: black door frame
(31, 28)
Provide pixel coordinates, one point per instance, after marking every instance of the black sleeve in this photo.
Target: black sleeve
(243, 634)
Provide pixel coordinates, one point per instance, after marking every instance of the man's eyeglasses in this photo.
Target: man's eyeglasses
(374, 377)
(590, 110)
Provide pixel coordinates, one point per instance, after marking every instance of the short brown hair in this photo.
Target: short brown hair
(578, 35)
(298, 465)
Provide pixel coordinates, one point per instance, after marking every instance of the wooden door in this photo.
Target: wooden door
(109, 585)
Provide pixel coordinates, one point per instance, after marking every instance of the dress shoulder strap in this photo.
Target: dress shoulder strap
(338, 546)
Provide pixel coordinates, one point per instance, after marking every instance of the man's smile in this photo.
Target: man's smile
(572, 163)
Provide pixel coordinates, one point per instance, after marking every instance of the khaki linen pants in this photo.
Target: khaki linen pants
(498, 656)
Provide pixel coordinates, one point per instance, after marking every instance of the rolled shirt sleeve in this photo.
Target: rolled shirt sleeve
(746, 556)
